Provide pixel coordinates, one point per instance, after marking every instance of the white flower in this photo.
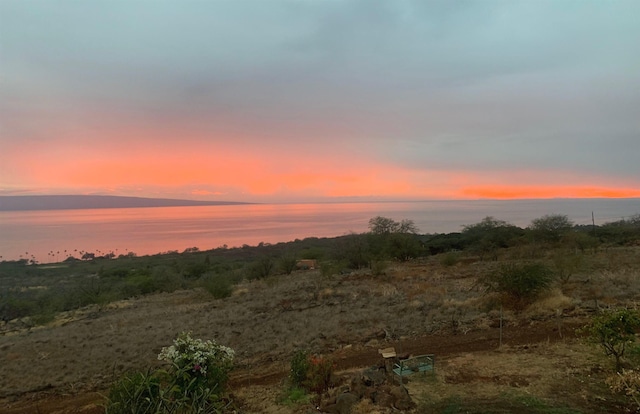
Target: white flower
(187, 352)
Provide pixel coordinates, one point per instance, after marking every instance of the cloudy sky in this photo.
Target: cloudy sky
(303, 100)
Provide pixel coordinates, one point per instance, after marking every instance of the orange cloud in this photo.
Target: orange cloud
(151, 162)
(508, 192)
(206, 192)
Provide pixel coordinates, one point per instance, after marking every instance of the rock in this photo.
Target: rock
(373, 377)
(401, 398)
(346, 401)
(330, 409)
(383, 399)
(373, 343)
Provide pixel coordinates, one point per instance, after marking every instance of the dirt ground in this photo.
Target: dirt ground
(420, 307)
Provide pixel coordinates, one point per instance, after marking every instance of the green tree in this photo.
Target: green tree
(407, 226)
(393, 239)
(614, 331)
(621, 232)
(551, 227)
(383, 225)
(490, 234)
(355, 250)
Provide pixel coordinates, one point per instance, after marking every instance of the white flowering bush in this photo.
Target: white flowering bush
(193, 383)
(206, 362)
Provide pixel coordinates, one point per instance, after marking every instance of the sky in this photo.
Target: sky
(320, 100)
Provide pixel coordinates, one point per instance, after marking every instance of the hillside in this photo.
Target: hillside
(429, 305)
(69, 202)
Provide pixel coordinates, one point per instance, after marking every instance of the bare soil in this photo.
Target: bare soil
(419, 307)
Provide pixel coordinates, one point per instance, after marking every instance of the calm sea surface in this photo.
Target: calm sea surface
(52, 235)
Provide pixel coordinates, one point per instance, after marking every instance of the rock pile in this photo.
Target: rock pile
(372, 385)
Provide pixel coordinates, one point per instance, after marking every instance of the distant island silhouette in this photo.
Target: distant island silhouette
(72, 202)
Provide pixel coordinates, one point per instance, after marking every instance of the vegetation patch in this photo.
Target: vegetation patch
(194, 382)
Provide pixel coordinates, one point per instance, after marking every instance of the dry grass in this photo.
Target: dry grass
(566, 373)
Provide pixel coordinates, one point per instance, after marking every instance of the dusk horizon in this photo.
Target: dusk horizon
(293, 101)
(92, 201)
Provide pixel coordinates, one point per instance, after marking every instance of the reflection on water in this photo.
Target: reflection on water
(46, 235)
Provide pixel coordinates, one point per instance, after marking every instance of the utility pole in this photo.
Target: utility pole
(500, 346)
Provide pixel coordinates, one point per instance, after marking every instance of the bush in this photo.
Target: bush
(328, 268)
(379, 267)
(261, 268)
(354, 250)
(614, 331)
(520, 284)
(319, 374)
(205, 362)
(135, 393)
(192, 384)
(139, 284)
(219, 286)
(628, 383)
(551, 228)
(287, 264)
(313, 373)
(299, 368)
(490, 234)
(442, 243)
(195, 270)
(567, 264)
(450, 259)
(403, 246)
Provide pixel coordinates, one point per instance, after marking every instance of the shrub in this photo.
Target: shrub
(614, 331)
(139, 284)
(328, 268)
(135, 393)
(551, 227)
(192, 384)
(312, 373)
(299, 368)
(287, 264)
(354, 250)
(319, 374)
(490, 234)
(261, 268)
(219, 286)
(379, 267)
(567, 264)
(519, 284)
(195, 270)
(205, 362)
(450, 259)
(403, 246)
(627, 382)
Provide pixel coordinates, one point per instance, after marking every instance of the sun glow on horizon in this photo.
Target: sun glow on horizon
(523, 192)
(234, 171)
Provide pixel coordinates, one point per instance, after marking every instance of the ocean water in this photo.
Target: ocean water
(52, 235)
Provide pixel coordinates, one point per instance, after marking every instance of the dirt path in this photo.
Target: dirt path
(440, 345)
